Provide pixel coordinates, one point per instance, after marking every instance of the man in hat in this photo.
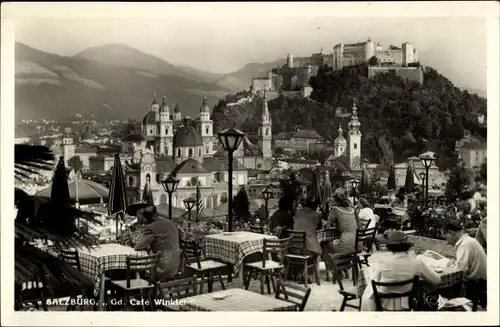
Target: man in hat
(161, 235)
(398, 267)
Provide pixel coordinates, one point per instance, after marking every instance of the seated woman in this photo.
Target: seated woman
(365, 213)
(308, 219)
(396, 267)
(343, 218)
(281, 219)
(161, 235)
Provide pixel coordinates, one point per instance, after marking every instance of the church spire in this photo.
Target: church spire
(154, 99)
(265, 108)
(354, 124)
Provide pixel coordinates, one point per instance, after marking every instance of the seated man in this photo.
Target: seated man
(471, 258)
(161, 235)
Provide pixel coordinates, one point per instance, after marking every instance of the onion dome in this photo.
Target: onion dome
(340, 140)
(187, 135)
(164, 106)
(354, 124)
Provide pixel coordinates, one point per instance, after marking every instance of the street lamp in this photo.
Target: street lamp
(170, 185)
(189, 204)
(476, 174)
(354, 184)
(266, 194)
(231, 140)
(422, 177)
(427, 159)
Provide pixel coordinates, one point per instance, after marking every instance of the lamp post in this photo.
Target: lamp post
(231, 140)
(427, 159)
(266, 194)
(189, 204)
(170, 185)
(476, 174)
(354, 184)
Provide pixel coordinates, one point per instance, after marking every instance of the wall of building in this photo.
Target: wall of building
(262, 84)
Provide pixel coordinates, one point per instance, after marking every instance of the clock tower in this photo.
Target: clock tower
(148, 171)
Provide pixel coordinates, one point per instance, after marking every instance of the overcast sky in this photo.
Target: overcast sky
(456, 46)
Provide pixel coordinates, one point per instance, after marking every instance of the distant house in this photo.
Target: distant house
(302, 138)
(472, 150)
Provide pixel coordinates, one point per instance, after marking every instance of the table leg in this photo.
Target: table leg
(102, 293)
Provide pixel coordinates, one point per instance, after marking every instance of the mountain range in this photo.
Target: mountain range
(113, 81)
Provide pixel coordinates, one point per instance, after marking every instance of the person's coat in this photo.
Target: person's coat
(308, 220)
(162, 236)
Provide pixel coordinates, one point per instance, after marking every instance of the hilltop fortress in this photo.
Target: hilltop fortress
(293, 77)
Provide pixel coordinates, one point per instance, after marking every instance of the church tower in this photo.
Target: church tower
(68, 145)
(339, 144)
(207, 129)
(177, 113)
(155, 107)
(354, 140)
(265, 135)
(166, 129)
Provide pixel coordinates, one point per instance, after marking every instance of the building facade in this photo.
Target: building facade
(472, 150)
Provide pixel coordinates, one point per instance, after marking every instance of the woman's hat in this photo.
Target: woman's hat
(393, 237)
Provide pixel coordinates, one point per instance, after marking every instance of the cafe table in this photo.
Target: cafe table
(449, 277)
(236, 299)
(94, 262)
(233, 247)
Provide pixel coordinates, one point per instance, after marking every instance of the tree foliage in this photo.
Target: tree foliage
(241, 205)
(75, 163)
(399, 119)
(373, 61)
(458, 180)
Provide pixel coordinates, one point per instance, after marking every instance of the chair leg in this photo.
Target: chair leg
(151, 299)
(202, 279)
(344, 302)
(286, 270)
(210, 281)
(272, 283)
(262, 282)
(221, 281)
(359, 304)
(305, 274)
(267, 282)
(247, 278)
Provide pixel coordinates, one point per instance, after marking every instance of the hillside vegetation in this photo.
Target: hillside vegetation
(398, 119)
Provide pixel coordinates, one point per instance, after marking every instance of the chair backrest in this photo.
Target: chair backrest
(292, 293)
(344, 261)
(191, 252)
(259, 229)
(297, 244)
(411, 294)
(71, 257)
(366, 236)
(138, 264)
(179, 288)
(274, 246)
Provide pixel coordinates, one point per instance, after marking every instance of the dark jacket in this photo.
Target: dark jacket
(281, 218)
(162, 236)
(308, 220)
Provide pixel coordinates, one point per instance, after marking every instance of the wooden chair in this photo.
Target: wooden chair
(284, 291)
(137, 265)
(343, 262)
(177, 289)
(72, 258)
(366, 238)
(259, 229)
(297, 255)
(411, 294)
(193, 254)
(268, 267)
(35, 291)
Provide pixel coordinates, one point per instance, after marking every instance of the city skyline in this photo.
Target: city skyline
(455, 46)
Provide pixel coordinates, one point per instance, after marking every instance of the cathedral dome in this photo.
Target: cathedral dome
(187, 135)
(87, 135)
(149, 118)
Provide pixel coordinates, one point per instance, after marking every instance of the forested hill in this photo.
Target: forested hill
(398, 119)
